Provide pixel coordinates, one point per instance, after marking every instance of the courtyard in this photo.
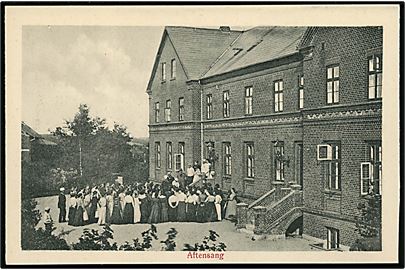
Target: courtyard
(187, 233)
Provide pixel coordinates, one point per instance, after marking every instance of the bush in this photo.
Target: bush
(367, 244)
(92, 240)
(208, 244)
(146, 244)
(169, 244)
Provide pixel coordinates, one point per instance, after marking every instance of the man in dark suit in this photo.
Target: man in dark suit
(62, 205)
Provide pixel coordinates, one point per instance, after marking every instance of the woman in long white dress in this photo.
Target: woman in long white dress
(137, 208)
(218, 200)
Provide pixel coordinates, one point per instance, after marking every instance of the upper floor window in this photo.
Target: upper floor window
(173, 69)
(375, 76)
(301, 91)
(226, 104)
(181, 109)
(163, 71)
(332, 87)
(332, 168)
(278, 161)
(157, 152)
(278, 96)
(168, 113)
(157, 112)
(250, 160)
(227, 159)
(249, 100)
(209, 106)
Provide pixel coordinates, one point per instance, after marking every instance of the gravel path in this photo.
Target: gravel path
(187, 233)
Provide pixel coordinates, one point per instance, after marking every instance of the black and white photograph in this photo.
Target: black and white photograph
(203, 139)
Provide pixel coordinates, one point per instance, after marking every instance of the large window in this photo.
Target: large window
(375, 76)
(173, 69)
(278, 96)
(250, 160)
(301, 92)
(249, 100)
(227, 159)
(163, 71)
(168, 112)
(181, 109)
(371, 171)
(332, 168)
(332, 84)
(157, 112)
(209, 106)
(332, 238)
(226, 104)
(278, 161)
(158, 157)
(181, 155)
(169, 157)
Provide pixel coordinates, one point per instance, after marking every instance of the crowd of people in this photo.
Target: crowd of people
(169, 201)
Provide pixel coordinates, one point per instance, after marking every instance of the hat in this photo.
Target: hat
(47, 209)
(62, 189)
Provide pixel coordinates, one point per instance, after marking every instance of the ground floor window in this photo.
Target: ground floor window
(332, 238)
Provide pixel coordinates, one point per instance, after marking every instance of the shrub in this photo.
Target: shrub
(169, 244)
(208, 244)
(92, 240)
(146, 244)
(367, 244)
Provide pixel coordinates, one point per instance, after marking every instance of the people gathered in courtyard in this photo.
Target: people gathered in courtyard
(173, 200)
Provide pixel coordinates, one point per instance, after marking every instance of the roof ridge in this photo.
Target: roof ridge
(203, 28)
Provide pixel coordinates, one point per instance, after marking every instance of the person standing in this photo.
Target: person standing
(116, 217)
(137, 207)
(110, 206)
(93, 208)
(78, 218)
(155, 210)
(172, 210)
(190, 175)
(164, 217)
(128, 215)
(62, 205)
(181, 208)
(145, 203)
(72, 208)
(230, 211)
(102, 209)
(218, 205)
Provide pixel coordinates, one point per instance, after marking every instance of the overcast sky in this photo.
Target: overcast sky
(106, 67)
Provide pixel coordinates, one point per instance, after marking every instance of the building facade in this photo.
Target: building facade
(280, 106)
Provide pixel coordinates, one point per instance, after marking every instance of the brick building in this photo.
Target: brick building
(283, 107)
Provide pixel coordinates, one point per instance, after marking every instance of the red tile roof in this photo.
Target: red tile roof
(258, 45)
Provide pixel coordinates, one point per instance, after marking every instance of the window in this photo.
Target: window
(248, 100)
(157, 152)
(168, 113)
(227, 159)
(332, 168)
(169, 158)
(209, 106)
(375, 76)
(278, 96)
(371, 171)
(163, 71)
(173, 69)
(157, 112)
(301, 92)
(278, 161)
(181, 109)
(226, 104)
(250, 160)
(180, 156)
(332, 238)
(332, 87)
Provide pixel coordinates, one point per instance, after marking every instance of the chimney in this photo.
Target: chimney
(225, 29)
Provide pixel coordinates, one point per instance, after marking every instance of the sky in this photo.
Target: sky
(105, 67)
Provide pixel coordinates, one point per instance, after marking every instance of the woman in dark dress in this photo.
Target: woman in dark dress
(145, 206)
(211, 212)
(172, 209)
(202, 208)
(116, 217)
(72, 208)
(128, 215)
(155, 210)
(181, 208)
(164, 217)
(93, 208)
(191, 205)
(78, 217)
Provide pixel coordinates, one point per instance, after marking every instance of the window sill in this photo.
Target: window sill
(333, 192)
(249, 179)
(173, 79)
(163, 81)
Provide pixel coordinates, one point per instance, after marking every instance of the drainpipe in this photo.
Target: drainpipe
(201, 123)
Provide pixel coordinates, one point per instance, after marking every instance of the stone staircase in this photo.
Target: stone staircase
(275, 213)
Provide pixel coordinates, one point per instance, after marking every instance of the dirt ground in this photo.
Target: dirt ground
(188, 232)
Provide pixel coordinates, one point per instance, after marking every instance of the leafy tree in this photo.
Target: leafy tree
(93, 240)
(169, 244)
(208, 244)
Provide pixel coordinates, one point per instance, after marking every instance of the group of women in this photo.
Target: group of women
(148, 203)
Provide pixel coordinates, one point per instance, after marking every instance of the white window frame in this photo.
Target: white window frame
(369, 179)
